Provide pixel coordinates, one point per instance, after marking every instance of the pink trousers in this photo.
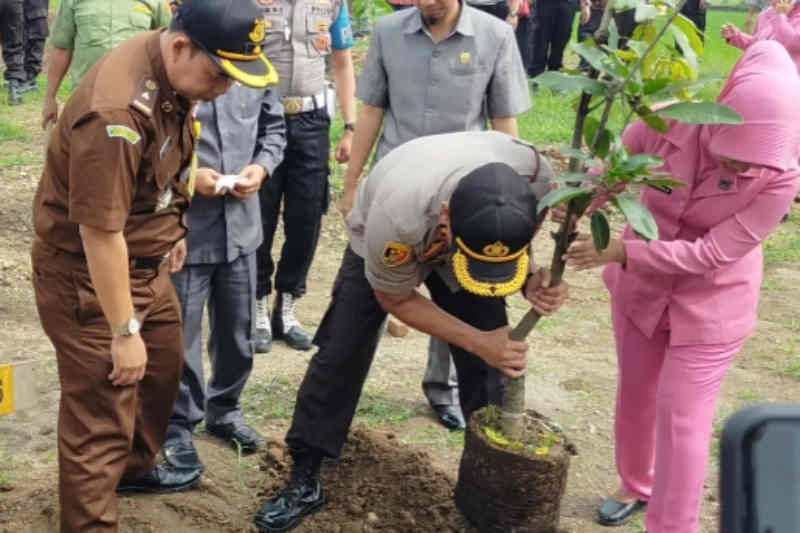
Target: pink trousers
(665, 408)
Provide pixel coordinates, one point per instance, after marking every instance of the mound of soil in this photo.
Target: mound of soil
(377, 485)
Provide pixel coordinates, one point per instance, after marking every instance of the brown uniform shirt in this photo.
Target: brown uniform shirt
(115, 156)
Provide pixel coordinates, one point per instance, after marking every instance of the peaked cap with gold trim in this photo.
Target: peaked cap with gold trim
(493, 220)
(231, 32)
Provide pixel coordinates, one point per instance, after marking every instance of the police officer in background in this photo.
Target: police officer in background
(300, 35)
(108, 215)
(86, 30)
(34, 37)
(11, 23)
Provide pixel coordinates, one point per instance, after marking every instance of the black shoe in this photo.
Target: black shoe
(182, 454)
(450, 416)
(14, 92)
(299, 498)
(29, 85)
(163, 479)
(615, 513)
(286, 327)
(240, 436)
(262, 340)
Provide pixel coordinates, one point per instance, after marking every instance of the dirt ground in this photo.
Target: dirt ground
(398, 470)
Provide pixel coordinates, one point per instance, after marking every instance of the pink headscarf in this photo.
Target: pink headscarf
(764, 88)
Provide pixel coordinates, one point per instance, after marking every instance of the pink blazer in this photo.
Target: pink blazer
(784, 29)
(705, 270)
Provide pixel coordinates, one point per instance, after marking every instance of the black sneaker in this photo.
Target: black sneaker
(14, 92)
(285, 325)
(29, 85)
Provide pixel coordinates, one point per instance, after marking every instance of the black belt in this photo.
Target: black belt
(147, 263)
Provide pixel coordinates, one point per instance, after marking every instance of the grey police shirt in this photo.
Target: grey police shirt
(400, 202)
(457, 84)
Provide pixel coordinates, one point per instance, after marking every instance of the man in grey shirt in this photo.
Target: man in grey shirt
(243, 133)
(442, 67)
(456, 212)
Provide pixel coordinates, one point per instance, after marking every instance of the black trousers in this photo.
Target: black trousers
(347, 339)
(586, 31)
(301, 182)
(553, 20)
(524, 34)
(698, 17)
(499, 10)
(35, 35)
(11, 29)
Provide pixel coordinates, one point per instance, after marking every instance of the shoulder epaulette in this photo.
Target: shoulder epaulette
(145, 96)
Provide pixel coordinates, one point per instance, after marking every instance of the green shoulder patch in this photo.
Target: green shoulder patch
(124, 132)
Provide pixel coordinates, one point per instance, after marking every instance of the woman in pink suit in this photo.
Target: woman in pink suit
(683, 305)
(780, 22)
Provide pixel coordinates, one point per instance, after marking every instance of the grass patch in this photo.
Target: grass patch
(18, 160)
(748, 396)
(7, 463)
(9, 131)
(435, 438)
(792, 368)
(783, 246)
(375, 410)
(267, 401)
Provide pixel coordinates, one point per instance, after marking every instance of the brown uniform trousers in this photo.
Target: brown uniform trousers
(105, 432)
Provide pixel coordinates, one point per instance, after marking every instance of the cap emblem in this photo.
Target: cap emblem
(257, 35)
(496, 249)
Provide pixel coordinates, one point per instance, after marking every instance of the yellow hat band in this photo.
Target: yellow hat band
(270, 77)
(234, 56)
(483, 288)
(489, 258)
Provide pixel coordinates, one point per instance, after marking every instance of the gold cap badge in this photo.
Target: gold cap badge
(257, 35)
(496, 249)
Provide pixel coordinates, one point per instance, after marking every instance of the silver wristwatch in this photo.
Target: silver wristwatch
(129, 328)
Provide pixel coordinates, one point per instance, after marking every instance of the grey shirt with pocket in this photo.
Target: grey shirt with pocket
(243, 126)
(457, 84)
(401, 200)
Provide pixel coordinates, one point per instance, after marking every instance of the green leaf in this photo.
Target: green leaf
(592, 55)
(637, 215)
(576, 177)
(563, 194)
(569, 151)
(643, 161)
(683, 23)
(686, 49)
(701, 113)
(613, 35)
(645, 12)
(653, 86)
(662, 182)
(590, 126)
(656, 122)
(601, 233)
(560, 82)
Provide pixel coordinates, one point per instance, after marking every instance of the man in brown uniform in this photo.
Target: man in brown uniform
(108, 217)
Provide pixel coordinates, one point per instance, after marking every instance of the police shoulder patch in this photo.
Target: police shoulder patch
(396, 254)
(123, 132)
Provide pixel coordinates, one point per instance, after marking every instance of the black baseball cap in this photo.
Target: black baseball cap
(493, 220)
(231, 32)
